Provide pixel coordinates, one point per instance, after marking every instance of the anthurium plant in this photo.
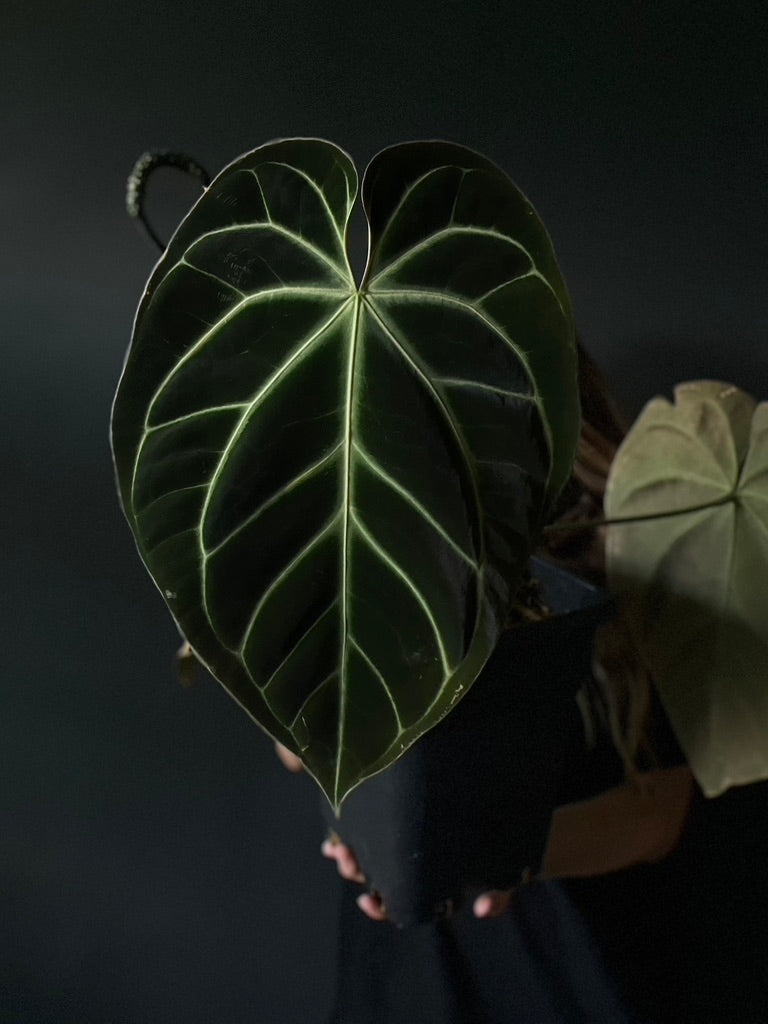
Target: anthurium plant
(689, 487)
(337, 484)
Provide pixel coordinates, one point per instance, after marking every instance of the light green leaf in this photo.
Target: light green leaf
(697, 582)
(335, 486)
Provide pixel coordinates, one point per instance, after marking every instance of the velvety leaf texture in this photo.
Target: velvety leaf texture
(696, 584)
(336, 486)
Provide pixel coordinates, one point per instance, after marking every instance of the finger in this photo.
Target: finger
(334, 848)
(372, 906)
(346, 862)
(493, 904)
(289, 759)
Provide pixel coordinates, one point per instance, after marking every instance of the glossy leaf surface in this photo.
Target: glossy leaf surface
(336, 486)
(697, 583)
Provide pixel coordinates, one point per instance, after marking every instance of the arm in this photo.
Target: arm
(638, 823)
(632, 824)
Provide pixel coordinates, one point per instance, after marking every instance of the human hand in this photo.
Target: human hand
(488, 904)
(288, 758)
(638, 822)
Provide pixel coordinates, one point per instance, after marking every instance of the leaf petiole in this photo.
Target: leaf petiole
(579, 525)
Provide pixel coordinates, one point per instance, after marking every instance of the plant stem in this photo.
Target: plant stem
(140, 175)
(578, 525)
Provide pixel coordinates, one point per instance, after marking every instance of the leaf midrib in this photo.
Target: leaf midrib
(346, 498)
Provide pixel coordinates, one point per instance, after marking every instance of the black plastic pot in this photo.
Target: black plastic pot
(468, 807)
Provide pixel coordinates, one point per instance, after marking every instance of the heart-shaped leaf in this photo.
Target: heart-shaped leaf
(696, 583)
(336, 487)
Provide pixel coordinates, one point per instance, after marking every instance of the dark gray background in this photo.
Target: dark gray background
(156, 864)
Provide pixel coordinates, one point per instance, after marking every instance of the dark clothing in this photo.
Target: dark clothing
(537, 965)
(681, 942)
(686, 940)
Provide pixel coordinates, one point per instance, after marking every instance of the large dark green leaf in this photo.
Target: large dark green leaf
(336, 487)
(696, 583)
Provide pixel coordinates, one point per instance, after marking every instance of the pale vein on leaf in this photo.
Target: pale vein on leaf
(389, 561)
(346, 500)
(280, 578)
(390, 481)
